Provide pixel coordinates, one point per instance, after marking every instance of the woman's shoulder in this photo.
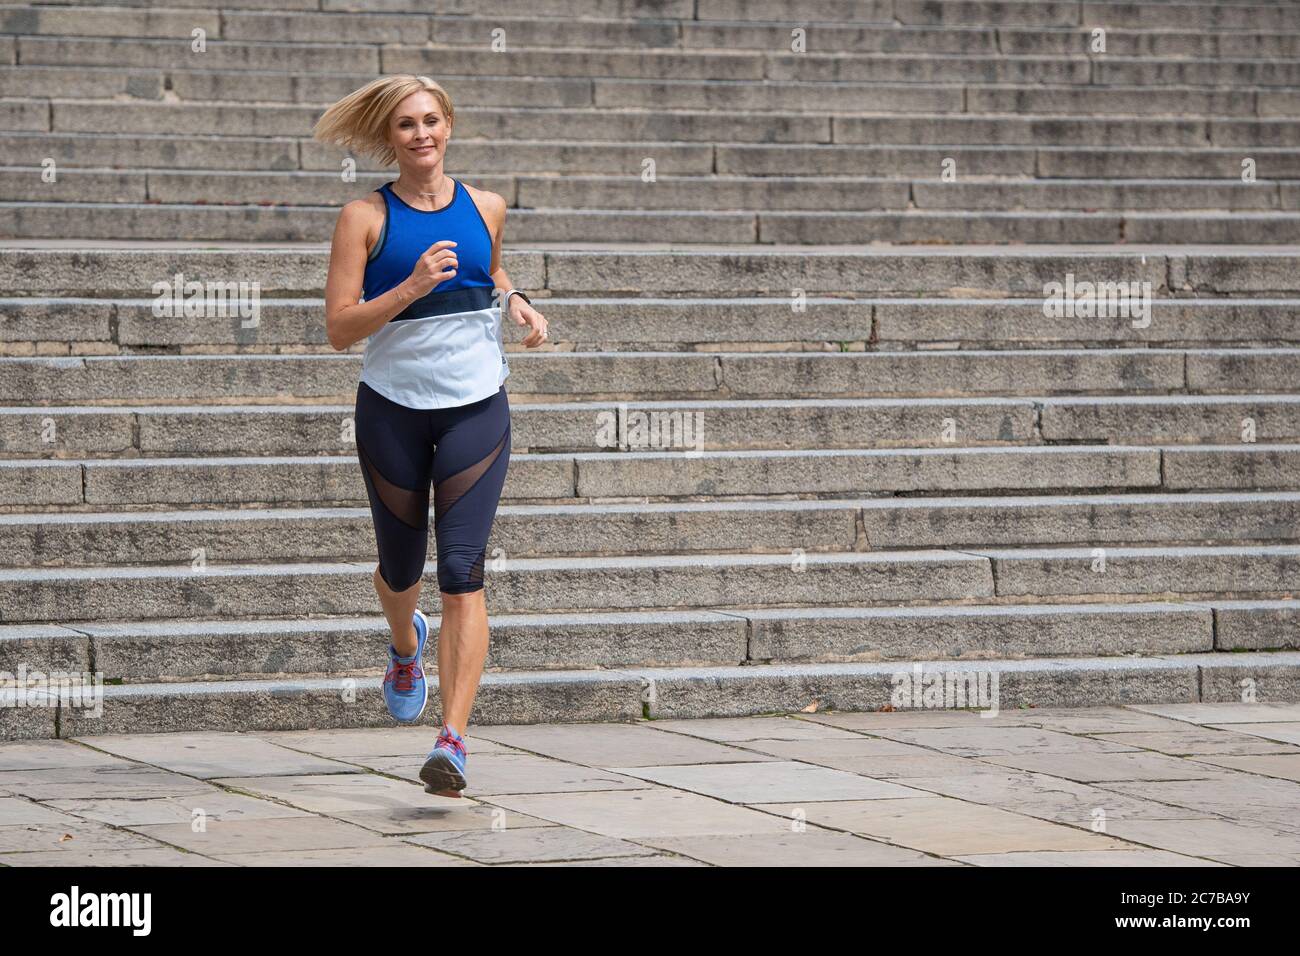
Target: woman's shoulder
(368, 208)
(362, 220)
(491, 205)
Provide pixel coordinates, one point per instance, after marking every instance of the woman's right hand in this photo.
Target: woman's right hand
(436, 264)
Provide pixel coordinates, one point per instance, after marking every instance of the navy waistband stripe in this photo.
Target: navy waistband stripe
(469, 299)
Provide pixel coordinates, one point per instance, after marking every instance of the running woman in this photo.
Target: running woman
(415, 267)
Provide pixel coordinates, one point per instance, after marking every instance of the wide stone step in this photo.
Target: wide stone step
(1037, 573)
(1227, 14)
(135, 269)
(1134, 71)
(501, 157)
(592, 194)
(586, 426)
(143, 651)
(942, 95)
(1256, 370)
(689, 692)
(1155, 161)
(288, 49)
(98, 327)
(395, 26)
(73, 539)
(779, 424)
(319, 480)
(666, 34)
(117, 483)
(1169, 41)
(979, 323)
(38, 220)
(612, 124)
(737, 271)
(141, 379)
(1178, 418)
(1062, 131)
(40, 595)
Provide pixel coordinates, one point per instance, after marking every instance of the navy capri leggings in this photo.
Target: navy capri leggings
(463, 452)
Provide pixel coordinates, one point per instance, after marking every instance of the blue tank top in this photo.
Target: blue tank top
(444, 349)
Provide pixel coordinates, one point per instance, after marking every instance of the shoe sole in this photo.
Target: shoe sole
(441, 777)
(425, 702)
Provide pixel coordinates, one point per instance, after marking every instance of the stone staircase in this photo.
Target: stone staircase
(822, 273)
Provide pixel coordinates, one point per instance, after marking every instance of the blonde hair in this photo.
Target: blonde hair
(359, 121)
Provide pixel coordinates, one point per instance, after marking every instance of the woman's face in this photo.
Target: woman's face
(418, 132)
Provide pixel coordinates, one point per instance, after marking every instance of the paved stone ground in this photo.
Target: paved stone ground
(1185, 784)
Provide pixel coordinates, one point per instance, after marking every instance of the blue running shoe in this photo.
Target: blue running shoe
(443, 772)
(405, 689)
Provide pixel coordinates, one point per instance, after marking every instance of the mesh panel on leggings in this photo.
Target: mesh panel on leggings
(407, 506)
(476, 571)
(448, 491)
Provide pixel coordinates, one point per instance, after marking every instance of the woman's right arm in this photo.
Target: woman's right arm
(347, 319)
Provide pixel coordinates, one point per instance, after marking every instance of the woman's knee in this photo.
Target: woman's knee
(460, 571)
(402, 575)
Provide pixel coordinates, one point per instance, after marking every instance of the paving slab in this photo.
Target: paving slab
(944, 826)
(529, 845)
(1090, 720)
(1225, 841)
(633, 814)
(1048, 798)
(1201, 739)
(69, 833)
(525, 773)
(15, 811)
(1282, 732)
(994, 741)
(869, 722)
(1086, 858)
(211, 805)
(214, 754)
(1233, 795)
(614, 744)
(397, 855)
(448, 815)
(48, 754)
(1222, 714)
(622, 861)
(1282, 766)
(1095, 768)
(405, 767)
(330, 793)
(870, 756)
(772, 781)
(376, 742)
(807, 847)
(116, 856)
(296, 834)
(739, 729)
(121, 779)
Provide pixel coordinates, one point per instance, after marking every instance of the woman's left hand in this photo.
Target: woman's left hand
(525, 314)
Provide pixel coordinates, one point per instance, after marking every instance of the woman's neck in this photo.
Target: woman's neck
(431, 187)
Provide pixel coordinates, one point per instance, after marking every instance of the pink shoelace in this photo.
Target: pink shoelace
(403, 676)
(451, 742)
